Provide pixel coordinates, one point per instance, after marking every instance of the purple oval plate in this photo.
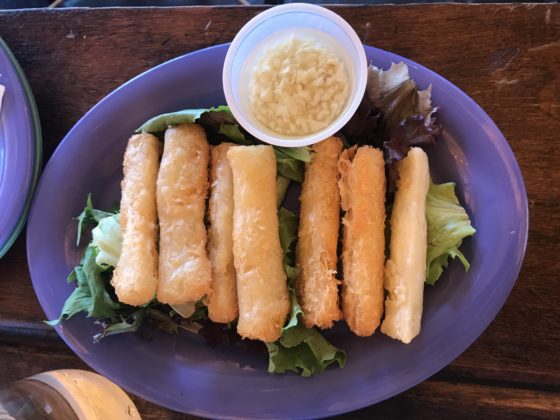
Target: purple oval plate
(181, 372)
(20, 149)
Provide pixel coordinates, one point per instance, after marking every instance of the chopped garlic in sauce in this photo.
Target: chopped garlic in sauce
(298, 87)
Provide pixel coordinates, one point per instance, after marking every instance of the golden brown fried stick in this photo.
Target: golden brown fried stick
(182, 185)
(362, 190)
(405, 271)
(136, 276)
(316, 285)
(222, 302)
(262, 289)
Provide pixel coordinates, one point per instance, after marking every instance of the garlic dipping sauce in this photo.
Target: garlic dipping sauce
(294, 75)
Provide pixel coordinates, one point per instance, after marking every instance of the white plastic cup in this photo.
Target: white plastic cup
(68, 394)
(274, 26)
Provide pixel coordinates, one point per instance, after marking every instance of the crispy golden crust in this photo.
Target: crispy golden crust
(262, 289)
(136, 276)
(222, 302)
(362, 190)
(316, 285)
(182, 185)
(405, 271)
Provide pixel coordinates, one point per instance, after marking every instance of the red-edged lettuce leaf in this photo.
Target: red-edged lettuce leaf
(413, 131)
(393, 114)
(362, 127)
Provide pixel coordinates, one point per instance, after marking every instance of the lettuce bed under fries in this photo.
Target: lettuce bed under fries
(394, 115)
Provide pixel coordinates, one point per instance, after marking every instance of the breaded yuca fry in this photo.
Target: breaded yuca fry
(262, 288)
(362, 190)
(405, 271)
(136, 276)
(182, 186)
(222, 302)
(319, 222)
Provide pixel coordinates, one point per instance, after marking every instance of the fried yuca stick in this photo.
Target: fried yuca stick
(182, 186)
(136, 276)
(362, 190)
(316, 285)
(262, 289)
(222, 302)
(405, 271)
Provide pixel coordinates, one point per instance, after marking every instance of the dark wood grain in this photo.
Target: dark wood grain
(506, 57)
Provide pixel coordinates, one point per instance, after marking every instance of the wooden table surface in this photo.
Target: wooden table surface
(506, 57)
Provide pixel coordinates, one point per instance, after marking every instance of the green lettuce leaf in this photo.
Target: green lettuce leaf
(282, 184)
(218, 120)
(88, 217)
(161, 122)
(169, 321)
(288, 225)
(216, 116)
(93, 294)
(126, 325)
(90, 295)
(290, 162)
(302, 350)
(302, 154)
(295, 312)
(448, 225)
(291, 272)
(299, 349)
(233, 133)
